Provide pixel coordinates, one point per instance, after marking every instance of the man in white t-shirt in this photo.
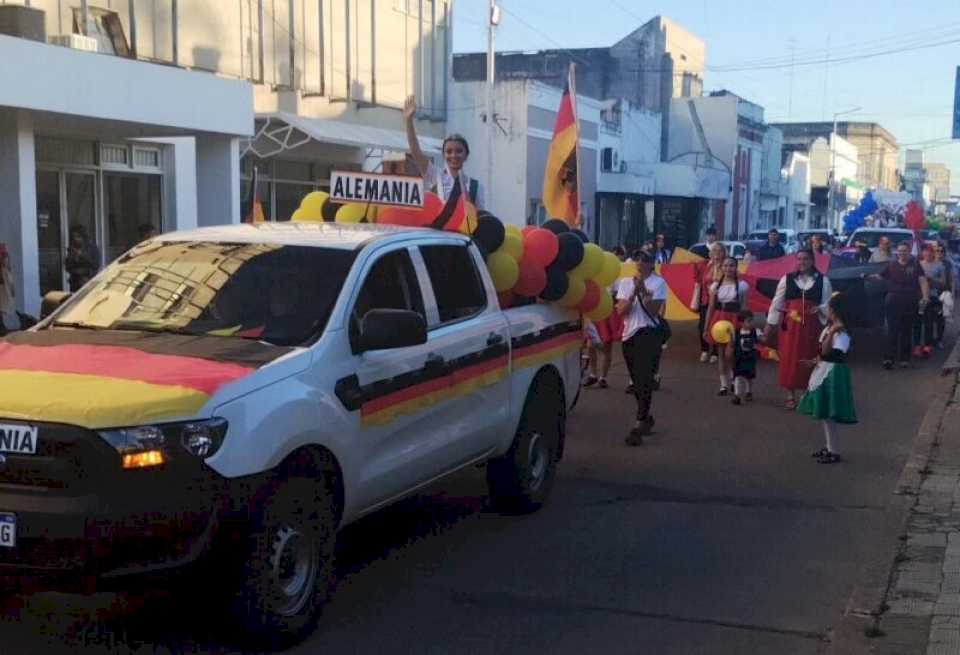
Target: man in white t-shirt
(639, 301)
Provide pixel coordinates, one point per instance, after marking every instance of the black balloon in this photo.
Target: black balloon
(329, 210)
(557, 284)
(570, 253)
(489, 233)
(581, 235)
(556, 226)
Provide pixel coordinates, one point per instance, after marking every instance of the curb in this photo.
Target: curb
(867, 604)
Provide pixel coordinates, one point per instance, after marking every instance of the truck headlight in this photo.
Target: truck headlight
(146, 446)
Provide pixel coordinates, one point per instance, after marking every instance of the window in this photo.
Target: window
(390, 284)
(456, 283)
(132, 208)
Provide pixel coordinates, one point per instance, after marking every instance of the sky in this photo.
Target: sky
(750, 45)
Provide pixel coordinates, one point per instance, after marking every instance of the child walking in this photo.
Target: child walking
(829, 395)
(745, 357)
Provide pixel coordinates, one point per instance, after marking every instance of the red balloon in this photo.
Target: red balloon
(914, 220)
(541, 246)
(505, 298)
(532, 279)
(400, 216)
(591, 298)
(528, 229)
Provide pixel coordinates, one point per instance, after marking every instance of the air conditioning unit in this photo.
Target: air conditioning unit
(75, 41)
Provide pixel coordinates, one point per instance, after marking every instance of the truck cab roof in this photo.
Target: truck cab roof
(320, 235)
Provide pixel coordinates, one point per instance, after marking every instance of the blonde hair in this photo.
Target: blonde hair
(715, 264)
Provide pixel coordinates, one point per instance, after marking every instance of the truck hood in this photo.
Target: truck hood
(106, 378)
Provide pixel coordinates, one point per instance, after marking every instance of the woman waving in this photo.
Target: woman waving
(455, 154)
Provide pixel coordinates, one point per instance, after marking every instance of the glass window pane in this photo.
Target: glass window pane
(455, 280)
(289, 197)
(132, 209)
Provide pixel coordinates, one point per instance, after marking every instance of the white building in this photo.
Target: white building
(526, 114)
(796, 174)
(834, 161)
(129, 137)
(108, 144)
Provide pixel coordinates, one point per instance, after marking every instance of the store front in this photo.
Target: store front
(112, 149)
(112, 193)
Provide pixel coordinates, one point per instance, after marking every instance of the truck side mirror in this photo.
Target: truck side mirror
(51, 301)
(381, 329)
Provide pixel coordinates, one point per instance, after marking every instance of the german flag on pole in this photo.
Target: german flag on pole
(561, 183)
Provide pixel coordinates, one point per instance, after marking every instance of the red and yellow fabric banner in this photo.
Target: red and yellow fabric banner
(561, 189)
(95, 386)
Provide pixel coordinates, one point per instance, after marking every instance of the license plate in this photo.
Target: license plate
(8, 530)
(18, 439)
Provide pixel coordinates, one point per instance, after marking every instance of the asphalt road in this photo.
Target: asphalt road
(719, 535)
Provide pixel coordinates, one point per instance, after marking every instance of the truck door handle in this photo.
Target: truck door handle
(494, 339)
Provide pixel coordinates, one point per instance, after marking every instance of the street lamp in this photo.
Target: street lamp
(833, 167)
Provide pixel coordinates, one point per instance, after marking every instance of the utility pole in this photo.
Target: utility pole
(833, 223)
(492, 21)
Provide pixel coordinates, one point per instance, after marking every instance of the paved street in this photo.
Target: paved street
(720, 535)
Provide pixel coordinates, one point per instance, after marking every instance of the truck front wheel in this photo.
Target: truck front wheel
(520, 481)
(289, 567)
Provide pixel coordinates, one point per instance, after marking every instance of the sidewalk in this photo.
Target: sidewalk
(921, 610)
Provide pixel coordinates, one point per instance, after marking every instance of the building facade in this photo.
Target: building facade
(938, 177)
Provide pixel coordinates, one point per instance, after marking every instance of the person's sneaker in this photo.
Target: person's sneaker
(918, 351)
(590, 381)
(736, 400)
(749, 397)
(723, 391)
(635, 437)
(603, 383)
(629, 388)
(713, 359)
(888, 364)
(704, 356)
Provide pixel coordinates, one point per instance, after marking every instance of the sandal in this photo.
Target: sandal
(828, 458)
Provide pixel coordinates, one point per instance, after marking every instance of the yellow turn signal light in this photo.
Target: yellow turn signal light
(144, 460)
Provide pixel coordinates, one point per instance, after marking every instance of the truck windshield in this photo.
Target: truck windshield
(872, 238)
(275, 293)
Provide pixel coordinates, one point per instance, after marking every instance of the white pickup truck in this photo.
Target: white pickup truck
(248, 390)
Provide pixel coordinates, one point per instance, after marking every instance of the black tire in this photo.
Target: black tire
(520, 481)
(289, 568)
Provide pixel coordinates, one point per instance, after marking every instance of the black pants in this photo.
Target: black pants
(901, 316)
(641, 353)
(701, 325)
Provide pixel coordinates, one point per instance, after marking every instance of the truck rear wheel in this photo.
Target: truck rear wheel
(520, 481)
(289, 567)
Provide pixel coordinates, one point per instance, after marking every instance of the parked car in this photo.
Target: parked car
(736, 249)
(788, 238)
(234, 396)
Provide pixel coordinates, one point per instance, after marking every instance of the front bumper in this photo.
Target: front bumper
(81, 516)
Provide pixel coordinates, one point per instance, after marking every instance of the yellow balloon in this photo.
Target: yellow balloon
(302, 216)
(628, 269)
(313, 202)
(591, 263)
(510, 228)
(512, 245)
(603, 308)
(353, 212)
(576, 289)
(504, 270)
(722, 331)
(609, 271)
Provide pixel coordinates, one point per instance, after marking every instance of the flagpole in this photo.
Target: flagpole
(572, 81)
(492, 20)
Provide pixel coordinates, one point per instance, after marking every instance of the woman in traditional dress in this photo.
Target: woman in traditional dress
(728, 295)
(706, 273)
(455, 153)
(829, 396)
(799, 309)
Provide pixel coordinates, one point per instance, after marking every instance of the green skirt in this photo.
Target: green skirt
(829, 394)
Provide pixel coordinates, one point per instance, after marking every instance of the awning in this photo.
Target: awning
(628, 183)
(684, 181)
(280, 131)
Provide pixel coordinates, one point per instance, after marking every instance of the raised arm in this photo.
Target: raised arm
(409, 115)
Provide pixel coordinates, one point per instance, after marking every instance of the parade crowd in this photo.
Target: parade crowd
(806, 329)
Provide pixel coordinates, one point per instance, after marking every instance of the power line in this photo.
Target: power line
(543, 34)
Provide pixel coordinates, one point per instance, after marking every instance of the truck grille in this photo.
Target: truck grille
(68, 458)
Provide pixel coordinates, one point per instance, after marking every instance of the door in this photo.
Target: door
(470, 333)
(50, 238)
(401, 388)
